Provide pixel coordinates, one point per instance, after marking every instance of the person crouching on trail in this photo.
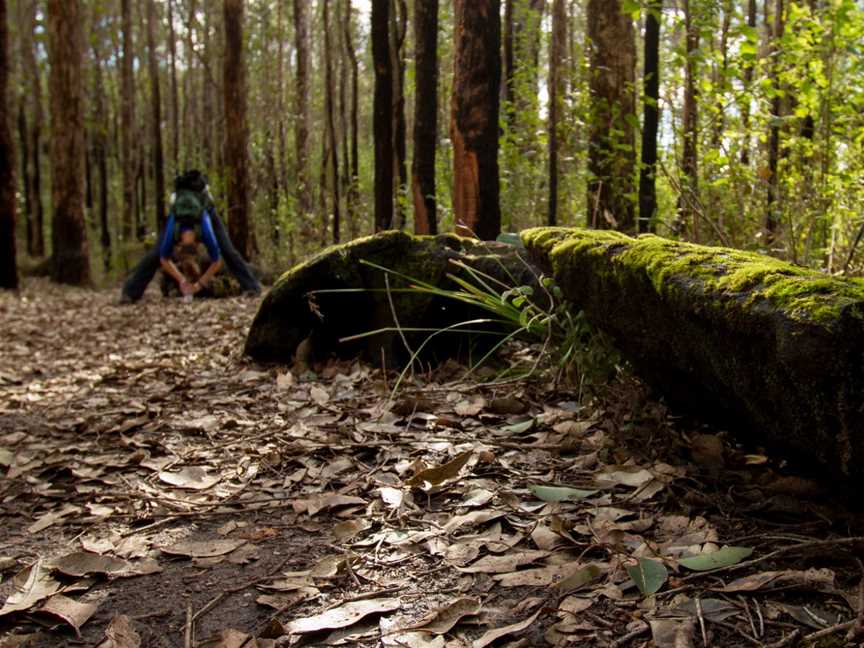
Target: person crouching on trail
(184, 233)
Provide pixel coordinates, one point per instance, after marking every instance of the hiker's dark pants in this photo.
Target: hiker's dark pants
(144, 272)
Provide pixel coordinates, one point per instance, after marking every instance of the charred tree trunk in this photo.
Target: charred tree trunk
(382, 124)
(474, 118)
(156, 99)
(611, 144)
(651, 119)
(8, 264)
(70, 264)
(425, 115)
(175, 98)
(772, 203)
(557, 89)
(301, 110)
(127, 122)
(237, 134)
(331, 124)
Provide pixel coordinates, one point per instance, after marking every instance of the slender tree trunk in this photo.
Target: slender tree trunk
(772, 204)
(281, 169)
(100, 149)
(651, 118)
(71, 263)
(8, 264)
(127, 122)
(688, 199)
(354, 186)
(330, 123)
(345, 169)
(382, 124)
(722, 83)
(301, 111)
(175, 96)
(156, 102)
(557, 88)
(398, 30)
(425, 115)
(26, 185)
(33, 87)
(611, 145)
(748, 82)
(474, 118)
(237, 133)
(508, 88)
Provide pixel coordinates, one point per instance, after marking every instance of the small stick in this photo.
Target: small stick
(827, 632)
(788, 640)
(623, 641)
(701, 618)
(188, 635)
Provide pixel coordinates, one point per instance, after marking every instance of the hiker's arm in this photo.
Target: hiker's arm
(166, 248)
(211, 270)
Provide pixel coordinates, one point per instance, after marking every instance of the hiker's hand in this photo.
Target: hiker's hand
(196, 288)
(186, 288)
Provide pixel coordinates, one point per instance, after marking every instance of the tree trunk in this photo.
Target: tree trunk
(8, 265)
(688, 199)
(237, 134)
(156, 99)
(175, 98)
(748, 82)
(425, 115)
(474, 118)
(398, 31)
(191, 133)
(382, 124)
(69, 236)
(651, 119)
(772, 203)
(354, 185)
(100, 150)
(26, 185)
(301, 111)
(127, 122)
(557, 89)
(507, 88)
(36, 240)
(611, 145)
(330, 123)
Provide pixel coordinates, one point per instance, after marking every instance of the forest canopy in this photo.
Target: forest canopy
(730, 122)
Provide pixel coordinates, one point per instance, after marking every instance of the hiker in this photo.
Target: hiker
(192, 211)
(182, 263)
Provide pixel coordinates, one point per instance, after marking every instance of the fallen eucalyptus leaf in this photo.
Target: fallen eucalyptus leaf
(649, 575)
(203, 548)
(71, 612)
(560, 493)
(493, 635)
(33, 584)
(120, 633)
(724, 557)
(343, 616)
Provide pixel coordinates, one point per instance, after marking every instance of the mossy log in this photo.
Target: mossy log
(773, 349)
(302, 303)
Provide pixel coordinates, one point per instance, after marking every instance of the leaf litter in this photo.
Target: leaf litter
(156, 485)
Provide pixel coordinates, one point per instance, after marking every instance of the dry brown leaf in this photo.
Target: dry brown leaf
(493, 635)
(82, 563)
(32, 584)
(673, 633)
(190, 477)
(284, 602)
(503, 564)
(343, 616)
(203, 548)
(71, 612)
(818, 579)
(443, 619)
(121, 634)
(52, 517)
(434, 478)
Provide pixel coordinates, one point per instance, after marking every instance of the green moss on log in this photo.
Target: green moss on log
(770, 347)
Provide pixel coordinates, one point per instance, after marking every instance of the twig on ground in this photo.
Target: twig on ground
(701, 618)
(630, 636)
(788, 640)
(189, 634)
(827, 632)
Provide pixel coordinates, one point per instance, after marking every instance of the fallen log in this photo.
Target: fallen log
(774, 350)
(303, 305)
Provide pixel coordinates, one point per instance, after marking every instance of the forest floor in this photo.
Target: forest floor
(159, 489)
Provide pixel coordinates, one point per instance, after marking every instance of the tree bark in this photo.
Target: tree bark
(69, 236)
(36, 237)
(301, 111)
(191, 134)
(8, 264)
(330, 123)
(748, 82)
(127, 122)
(26, 185)
(382, 124)
(175, 97)
(237, 134)
(611, 145)
(352, 157)
(156, 102)
(772, 202)
(100, 150)
(688, 198)
(507, 89)
(474, 118)
(425, 115)
(557, 89)
(398, 32)
(650, 119)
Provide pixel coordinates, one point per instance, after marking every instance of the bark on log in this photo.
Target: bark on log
(774, 350)
(296, 308)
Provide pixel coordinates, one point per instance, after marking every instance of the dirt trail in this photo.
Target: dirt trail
(148, 470)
